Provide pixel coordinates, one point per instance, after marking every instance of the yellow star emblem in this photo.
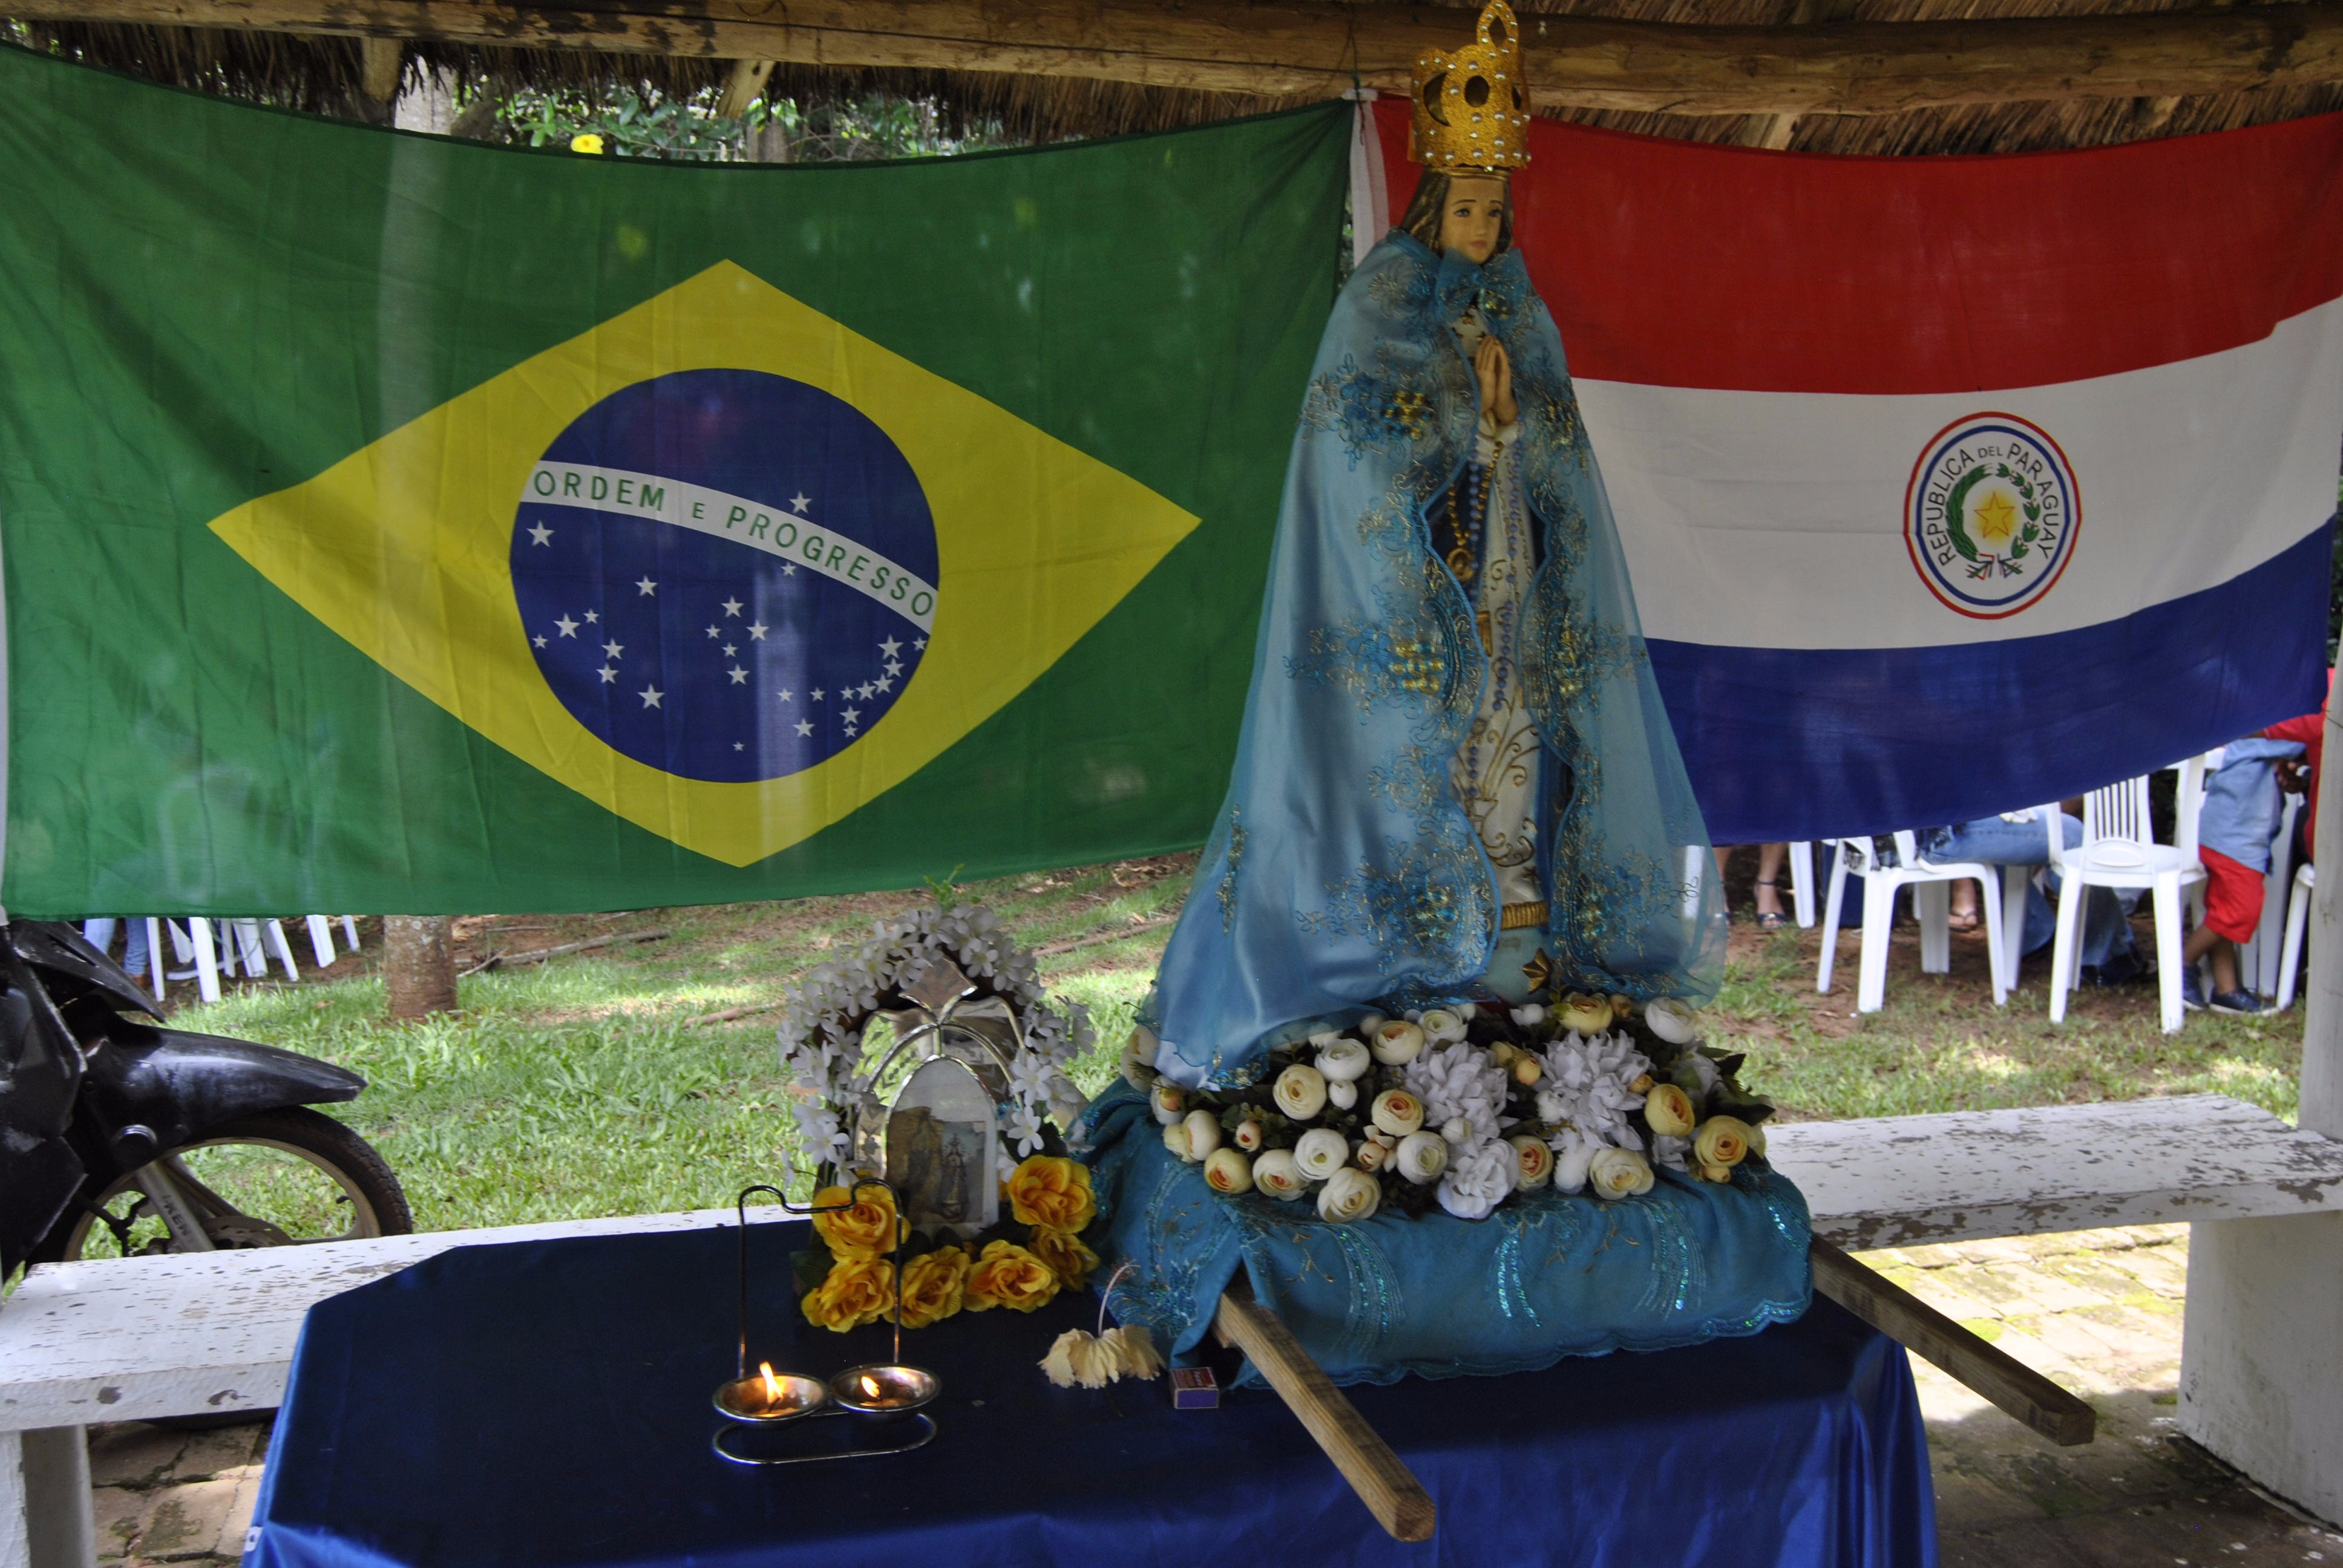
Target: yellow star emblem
(1996, 519)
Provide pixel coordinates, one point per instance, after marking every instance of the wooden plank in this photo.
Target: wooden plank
(1900, 1181)
(129, 1339)
(1388, 1488)
(1926, 1333)
(1314, 49)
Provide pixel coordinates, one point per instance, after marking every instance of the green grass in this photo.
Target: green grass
(573, 1089)
(1939, 1044)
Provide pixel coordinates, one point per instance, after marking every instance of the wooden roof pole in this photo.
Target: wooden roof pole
(1312, 48)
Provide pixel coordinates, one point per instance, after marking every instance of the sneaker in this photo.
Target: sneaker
(2192, 996)
(2239, 1003)
(2122, 968)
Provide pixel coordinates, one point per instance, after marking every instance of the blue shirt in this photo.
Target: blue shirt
(2241, 801)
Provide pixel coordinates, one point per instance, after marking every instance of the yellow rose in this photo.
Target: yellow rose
(1721, 1141)
(858, 1291)
(1669, 1111)
(1049, 1190)
(1007, 1275)
(934, 1285)
(1068, 1258)
(865, 1230)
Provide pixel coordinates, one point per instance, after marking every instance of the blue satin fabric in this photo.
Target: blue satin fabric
(545, 1405)
(1548, 1275)
(1342, 869)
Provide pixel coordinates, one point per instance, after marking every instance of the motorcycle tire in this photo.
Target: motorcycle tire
(377, 1205)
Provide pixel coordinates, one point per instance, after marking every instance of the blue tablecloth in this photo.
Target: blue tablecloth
(545, 1405)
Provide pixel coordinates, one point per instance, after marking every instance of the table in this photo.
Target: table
(545, 1405)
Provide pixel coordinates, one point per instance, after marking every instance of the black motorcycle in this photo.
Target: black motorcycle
(120, 1136)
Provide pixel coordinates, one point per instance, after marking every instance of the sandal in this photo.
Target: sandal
(1770, 919)
(1962, 919)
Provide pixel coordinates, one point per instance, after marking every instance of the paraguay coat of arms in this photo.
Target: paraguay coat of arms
(1990, 515)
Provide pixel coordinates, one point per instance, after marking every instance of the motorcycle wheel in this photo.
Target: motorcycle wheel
(287, 1177)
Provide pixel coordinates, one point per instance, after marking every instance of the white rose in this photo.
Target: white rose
(1248, 1135)
(1301, 1092)
(1619, 1173)
(1169, 1101)
(1203, 1133)
(1345, 1061)
(1175, 1139)
(1365, 1028)
(1326, 1036)
(1468, 1012)
(1421, 1157)
(1349, 1196)
(1479, 1179)
(1398, 1111)
(1341, 1096)
(1536, 1162)
(1529, 1014)
(1321, 1152)
(1371, 1156)
(1672, 1020)
(1442, 1026)
(1276, 1174)
(1228, 1170)
(1396, 1043)
(1456, 1129)
(1139, 1060)
(1570, 1167)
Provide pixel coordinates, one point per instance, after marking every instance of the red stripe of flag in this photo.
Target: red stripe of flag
(1677, 263)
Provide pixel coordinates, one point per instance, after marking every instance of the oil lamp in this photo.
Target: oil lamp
(764, 1395)
(886, 1392)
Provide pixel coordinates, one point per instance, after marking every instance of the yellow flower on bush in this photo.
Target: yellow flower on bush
(1007, 1275)
(1047, 1189)
(934, 1286)
(857, 1291)
(1068, 1258)
(585, 142)
(865, 1230)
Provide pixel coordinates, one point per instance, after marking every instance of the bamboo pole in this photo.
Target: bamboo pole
(1920, 1327)
(1310, 48)
(1391, 1492)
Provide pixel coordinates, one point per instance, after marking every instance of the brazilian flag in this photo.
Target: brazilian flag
(392, 523)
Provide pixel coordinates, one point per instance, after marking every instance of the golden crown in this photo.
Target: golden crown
(1472, 111)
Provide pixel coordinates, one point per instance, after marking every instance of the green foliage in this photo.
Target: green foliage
(636, 122)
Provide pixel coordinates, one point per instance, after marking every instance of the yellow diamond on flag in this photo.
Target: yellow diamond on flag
(719, 564)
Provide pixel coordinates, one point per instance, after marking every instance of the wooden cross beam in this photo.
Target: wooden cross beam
(1315, 49)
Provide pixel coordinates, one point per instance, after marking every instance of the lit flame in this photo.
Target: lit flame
(870, 1389)
(772, 1384)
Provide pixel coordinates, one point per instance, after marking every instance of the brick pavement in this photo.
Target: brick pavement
(2099, 1311)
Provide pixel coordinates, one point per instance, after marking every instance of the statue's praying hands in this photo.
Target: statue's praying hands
(1496, 377)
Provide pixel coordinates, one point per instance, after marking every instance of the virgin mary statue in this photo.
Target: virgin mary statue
(1455, 780)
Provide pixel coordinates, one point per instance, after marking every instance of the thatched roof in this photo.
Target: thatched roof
(322, 75)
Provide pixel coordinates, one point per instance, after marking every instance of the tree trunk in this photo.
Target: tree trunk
(418, 964)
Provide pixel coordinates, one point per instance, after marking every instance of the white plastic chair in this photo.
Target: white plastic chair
(2119, 850)
(1930, 886)
(1802, 883)
(321, 937)
(2298, 916)
(2260, 957)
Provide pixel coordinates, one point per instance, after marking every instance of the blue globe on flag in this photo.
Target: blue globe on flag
(726, 575)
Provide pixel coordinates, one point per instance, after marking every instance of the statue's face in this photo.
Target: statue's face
(1470, 221)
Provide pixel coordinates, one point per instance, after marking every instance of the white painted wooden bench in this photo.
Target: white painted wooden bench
(132, 1339)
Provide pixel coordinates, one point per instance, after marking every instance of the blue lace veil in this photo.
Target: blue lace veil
(1341, 871)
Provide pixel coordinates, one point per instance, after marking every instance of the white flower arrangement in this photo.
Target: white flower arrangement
(824, 1015)
(1463, 1108)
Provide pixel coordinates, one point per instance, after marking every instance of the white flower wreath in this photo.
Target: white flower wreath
(915, 964)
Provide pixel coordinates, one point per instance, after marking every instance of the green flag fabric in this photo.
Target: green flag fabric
(397, 523)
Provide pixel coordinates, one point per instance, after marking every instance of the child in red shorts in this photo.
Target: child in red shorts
(2234, 829)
